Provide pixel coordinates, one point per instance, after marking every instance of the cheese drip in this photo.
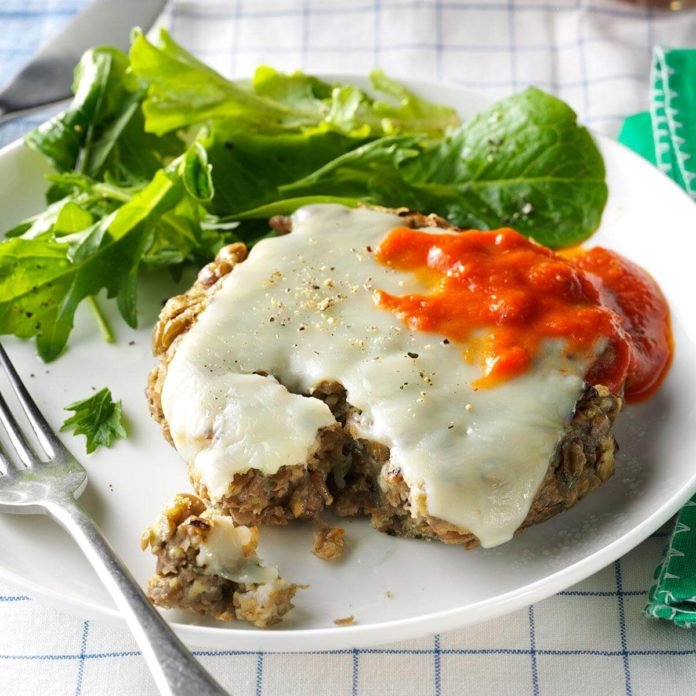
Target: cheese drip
(302, 309)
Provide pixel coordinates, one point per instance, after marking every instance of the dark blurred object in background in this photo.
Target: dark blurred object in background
(665, 4)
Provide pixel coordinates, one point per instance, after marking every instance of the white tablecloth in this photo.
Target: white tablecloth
(590, 639)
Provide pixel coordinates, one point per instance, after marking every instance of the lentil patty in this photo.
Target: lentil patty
(353, 476)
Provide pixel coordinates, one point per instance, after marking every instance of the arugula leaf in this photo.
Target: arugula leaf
(98, 418)
(197, 174)
(44, 278)
(44, 222)
(102, 131)
(361, 173)
(72, 218)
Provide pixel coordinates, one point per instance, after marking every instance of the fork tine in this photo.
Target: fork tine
(13, 430)
(5, 467)
(45, 435)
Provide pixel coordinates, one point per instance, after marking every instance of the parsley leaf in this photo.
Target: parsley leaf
(98, 418)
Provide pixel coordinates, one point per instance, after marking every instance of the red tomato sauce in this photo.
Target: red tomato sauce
(637, 299)
(503, 296)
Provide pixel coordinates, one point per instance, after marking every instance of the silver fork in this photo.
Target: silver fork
(49, 482)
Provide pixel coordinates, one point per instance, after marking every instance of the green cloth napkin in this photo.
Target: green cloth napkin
(666, 136)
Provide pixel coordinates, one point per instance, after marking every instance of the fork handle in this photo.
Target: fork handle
(173, 667)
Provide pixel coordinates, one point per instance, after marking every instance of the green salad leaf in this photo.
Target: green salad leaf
(523, 163)
(182, 91)
(159, 161)
(98, 418)
(411, 114)
(44, 277)
(249, 169)
(101, 134)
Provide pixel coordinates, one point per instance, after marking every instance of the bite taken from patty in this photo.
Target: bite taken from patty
(209, 565)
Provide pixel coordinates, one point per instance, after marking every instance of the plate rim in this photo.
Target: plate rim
(346, 637)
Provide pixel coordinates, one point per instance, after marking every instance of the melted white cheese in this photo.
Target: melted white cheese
(301, 308)
(226, 421)
(226, 552)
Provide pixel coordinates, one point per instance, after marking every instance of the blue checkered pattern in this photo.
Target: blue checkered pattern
(589, 639)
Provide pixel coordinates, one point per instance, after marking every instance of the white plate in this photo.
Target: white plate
(432, 587)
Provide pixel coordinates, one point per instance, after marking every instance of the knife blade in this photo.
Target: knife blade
(48, 77)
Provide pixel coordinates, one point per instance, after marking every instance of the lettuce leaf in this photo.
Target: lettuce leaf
(248, 168)
(182, 92)
(523, 163)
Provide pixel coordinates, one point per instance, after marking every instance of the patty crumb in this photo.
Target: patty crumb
(345, 621)
(329, 543)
